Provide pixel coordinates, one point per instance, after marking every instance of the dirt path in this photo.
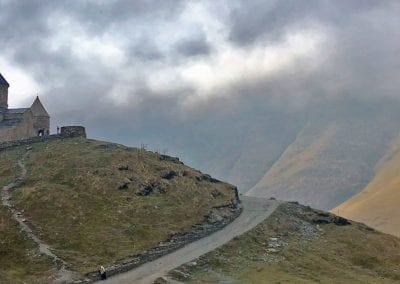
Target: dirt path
(63, 275)
(255, 210)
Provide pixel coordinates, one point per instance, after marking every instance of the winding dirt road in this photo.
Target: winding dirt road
(255, 210)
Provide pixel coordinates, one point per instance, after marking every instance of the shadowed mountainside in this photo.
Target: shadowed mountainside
(320, 153)
(377, 204)
(332, 157)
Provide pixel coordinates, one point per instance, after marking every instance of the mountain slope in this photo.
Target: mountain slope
(332, 158)
(20, 259)
(97, 203)
(378, 203)
(297, 244)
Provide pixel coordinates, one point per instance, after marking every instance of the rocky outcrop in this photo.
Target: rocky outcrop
(326, 218)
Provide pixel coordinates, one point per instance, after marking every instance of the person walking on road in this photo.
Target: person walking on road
(103, 274)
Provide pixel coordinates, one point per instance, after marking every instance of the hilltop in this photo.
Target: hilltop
(378, 203)
(298, 244)
(319, 154)
(98, 203)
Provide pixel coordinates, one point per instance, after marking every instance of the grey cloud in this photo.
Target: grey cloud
(194, 47)
(144, 49)
(362, 63)
(252, 20)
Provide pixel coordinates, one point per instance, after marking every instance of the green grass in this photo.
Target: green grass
(308, 254)
(72, 201)
(20, 260)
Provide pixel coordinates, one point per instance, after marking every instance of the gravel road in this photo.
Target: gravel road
(255, 210)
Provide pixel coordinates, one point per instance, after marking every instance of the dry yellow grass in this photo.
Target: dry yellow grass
(307, 253)
(20, 260)
(378, 204)
(72, 200)
(296, 158)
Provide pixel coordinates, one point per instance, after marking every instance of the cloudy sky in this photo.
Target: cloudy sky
(111, 65)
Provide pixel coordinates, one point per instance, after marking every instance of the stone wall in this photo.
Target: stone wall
(17, 130)
(36, 139)
(170, 246)
(73, 131)
(3, 96)
(41, 122)
(28, 141)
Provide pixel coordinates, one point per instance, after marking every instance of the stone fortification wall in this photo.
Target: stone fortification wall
(36, 139)
(73, 131)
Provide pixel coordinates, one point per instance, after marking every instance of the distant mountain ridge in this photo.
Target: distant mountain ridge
(333, 156)
(319, 152)
(378, 203)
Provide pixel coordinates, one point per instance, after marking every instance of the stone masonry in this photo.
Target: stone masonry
(21, 123)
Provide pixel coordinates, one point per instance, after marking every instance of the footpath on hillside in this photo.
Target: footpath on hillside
(63, 275)
(255, 210)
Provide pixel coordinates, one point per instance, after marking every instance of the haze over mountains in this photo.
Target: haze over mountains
(320, 155)
(378, 203)
(292, 99)
(334, 154)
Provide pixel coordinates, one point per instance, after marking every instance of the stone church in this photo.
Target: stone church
(21, 123)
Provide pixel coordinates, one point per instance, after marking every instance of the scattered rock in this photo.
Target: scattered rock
(152, 187)
(170, 159)
(215, 193)
(180, 274)
(123, 185)
(273, 243)
(160, 280)
(127, 180)
(169, 175)
(218, 214)
(145, 191)
(205, 177)
(273, 250)
(325, 218)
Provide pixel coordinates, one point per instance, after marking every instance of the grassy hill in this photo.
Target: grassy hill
(95, 202)
(378, 204)
(20, 260)
(297, 244)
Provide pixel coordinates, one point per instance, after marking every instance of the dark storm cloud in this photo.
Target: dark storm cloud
(251, 20)
(364, 33)
(145, 50)
(194, 47)
(359, 57)
(26, 27)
